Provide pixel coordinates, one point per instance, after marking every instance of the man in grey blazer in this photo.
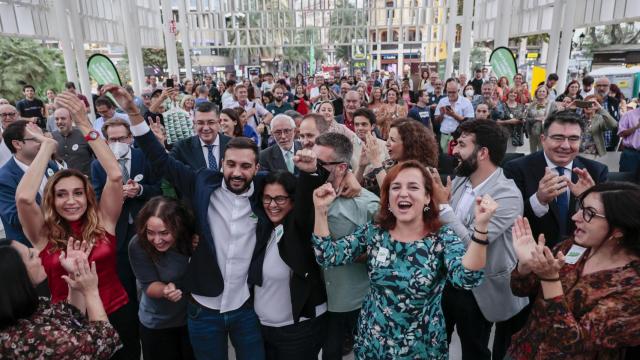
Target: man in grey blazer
(279, 156)
(481, 147)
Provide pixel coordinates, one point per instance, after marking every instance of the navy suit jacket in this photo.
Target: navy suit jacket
(203, 275)
(131, 206)
(10, 176)
(189, 151)
(527, 172)
(271, 158)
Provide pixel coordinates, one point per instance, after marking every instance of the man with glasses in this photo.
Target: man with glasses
(107, 111)
(451, 111)
(352, 101)
(8, 114)
(138, 186)
(612, 105)
(205, 148)
(72, 146)
(550, 179)
(348, 284)
(279, 156)
(24, 149)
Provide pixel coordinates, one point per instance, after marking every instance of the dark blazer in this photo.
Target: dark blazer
(340, 119)
(10, 176)
(271, 158)
(306, 285)
(189, 151)
(131, 206)
(527, 172)
(203, 275)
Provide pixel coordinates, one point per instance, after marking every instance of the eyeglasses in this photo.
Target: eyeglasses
(561, 138)
(8, 114)
(588, 212)
(31, 139)
(280, 200)
(327, 163)
(279, 133)
(121, 139)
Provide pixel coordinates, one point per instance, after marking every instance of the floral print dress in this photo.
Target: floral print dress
(401, 316)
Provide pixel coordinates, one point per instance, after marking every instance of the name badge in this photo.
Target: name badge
(49, 172)
(574, 254)
(383, 254)
(74, 147)
(279, 232)
(138, 178)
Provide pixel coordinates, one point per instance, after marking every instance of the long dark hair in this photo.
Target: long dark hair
(176, 217)
(233, 114)
(284, 178)
(18, 298)
(621, 201)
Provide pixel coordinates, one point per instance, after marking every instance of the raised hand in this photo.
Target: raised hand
(373, 150)
(76, 249)
(584, 182)
(122, 97)
(543, 263)
(85, 277)
(157, 129)
(441, 192)
(171, 293)
(484, 209)
(323, 196)
(305, 160)
(76, 107)
(550, 186)
(35, 132)
(524, 244)
(364, 159)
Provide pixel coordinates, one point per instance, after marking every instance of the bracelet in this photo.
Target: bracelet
(481, 242)
(480, 232)
(549, 279)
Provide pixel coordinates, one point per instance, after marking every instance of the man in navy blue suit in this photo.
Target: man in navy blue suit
(550, 180)
(24, 150)
(230, 217)
(138, 186)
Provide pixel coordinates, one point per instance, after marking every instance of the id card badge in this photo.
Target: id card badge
(383, 254)
(574, 254)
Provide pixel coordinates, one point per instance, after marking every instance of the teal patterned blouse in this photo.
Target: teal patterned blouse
(401, 317)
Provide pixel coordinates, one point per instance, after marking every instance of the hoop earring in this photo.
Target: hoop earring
(426, 209)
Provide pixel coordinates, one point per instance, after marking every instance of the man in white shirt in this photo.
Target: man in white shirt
(268, 83)
(227, 97)
(256, 113)
(451, 111)
(107, 111)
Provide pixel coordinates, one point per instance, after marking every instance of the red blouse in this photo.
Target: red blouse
(111, 291)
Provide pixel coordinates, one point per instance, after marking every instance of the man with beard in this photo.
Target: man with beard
(612, 105)
(480, 149)
(223, 263)
(72, 146)
(278, 106)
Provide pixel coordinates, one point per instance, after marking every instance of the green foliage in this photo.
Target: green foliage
(603, 36)
(158, 57)
(345, 14)
(25, 61)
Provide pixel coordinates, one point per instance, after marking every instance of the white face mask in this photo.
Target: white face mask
(119, 149)
(469, 93)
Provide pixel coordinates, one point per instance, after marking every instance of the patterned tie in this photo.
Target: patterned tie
(123, 168)
(213, 164)
(562, 201)
(288, 159)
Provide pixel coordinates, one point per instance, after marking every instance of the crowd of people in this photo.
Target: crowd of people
(301, 217)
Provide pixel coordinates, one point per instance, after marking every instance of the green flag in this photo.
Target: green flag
(312, 59)
(102, 70)
(503, 63)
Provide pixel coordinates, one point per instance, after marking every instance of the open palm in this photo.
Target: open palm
(524, 243)
(76, 249)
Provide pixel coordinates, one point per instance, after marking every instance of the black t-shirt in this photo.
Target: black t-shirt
(477, 86)
(31, 108)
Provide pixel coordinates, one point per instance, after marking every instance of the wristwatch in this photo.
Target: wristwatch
(92, 135)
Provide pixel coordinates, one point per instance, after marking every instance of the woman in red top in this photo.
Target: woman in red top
(70, 210)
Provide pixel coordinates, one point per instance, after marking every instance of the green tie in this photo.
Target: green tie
(288, 159)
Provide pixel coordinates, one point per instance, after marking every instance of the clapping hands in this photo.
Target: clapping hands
(76, 249)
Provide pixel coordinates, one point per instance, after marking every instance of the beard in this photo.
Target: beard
(246, 184)
(278, 98)
(467, 166)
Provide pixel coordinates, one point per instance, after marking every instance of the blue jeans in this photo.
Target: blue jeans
(209, 331)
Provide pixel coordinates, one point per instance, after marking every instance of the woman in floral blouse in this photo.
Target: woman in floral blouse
(588, 301)
(409, 258)
(34, 328)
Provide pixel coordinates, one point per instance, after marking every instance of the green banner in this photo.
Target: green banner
(503, 63)
(312, 59)
(102, 70)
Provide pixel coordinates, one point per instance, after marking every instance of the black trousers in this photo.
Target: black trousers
(339, 324)
(301, 341)
(461, 311)
(169, 344)
(125, 321)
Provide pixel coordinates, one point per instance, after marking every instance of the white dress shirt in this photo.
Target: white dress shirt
(216, 151)
(461, 107)
(43, 183)
(538, 208)
(97, 125)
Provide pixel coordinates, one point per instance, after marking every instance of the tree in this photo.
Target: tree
(158, 57)
(602, 36)
(29, 62)
(345, 14)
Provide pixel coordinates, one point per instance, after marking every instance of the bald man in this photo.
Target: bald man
(8, 114)
(279, 156)
(72, 147)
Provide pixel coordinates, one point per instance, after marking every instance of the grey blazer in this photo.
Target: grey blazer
(493, 295)
(271, 158)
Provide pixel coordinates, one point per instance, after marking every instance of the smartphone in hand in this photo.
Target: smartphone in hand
(169, 83)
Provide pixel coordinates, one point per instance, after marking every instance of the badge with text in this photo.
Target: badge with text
(138, 178)
(49, 172)
(574, 254)
(74, 147)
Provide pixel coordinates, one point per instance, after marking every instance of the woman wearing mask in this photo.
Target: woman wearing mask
(596, 121)
(291, 300)
(70, 209)
(35, 328)
(230, 123)
(587, 302)
(535, 115)
(159, 256)
(513, 120)
(401, 316)
(468, 92)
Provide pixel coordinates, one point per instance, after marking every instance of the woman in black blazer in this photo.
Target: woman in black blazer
(291, 298)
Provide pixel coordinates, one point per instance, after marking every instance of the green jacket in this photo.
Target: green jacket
(600, 122)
